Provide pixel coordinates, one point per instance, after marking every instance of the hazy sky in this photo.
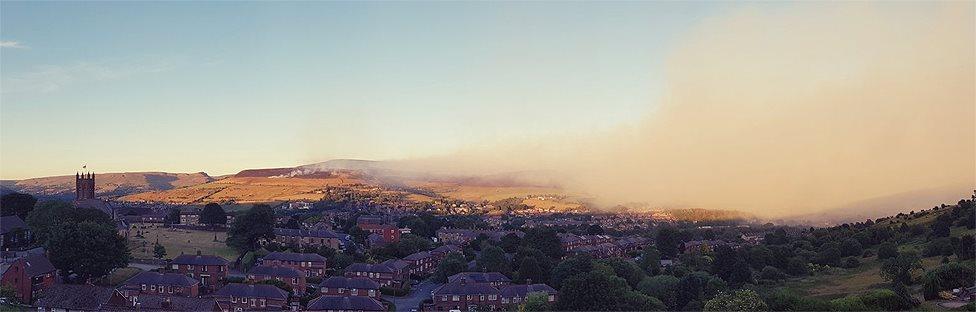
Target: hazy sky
(222, 86)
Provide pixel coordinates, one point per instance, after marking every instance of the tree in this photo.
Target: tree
(159, 251)
(248, 230)
(626, 269)
(850, 247)
(887, 250)
(293, 223)
(725, 262)
(591, 291)
(796, 266)
(667, 241)
(740, 300)
(213, 214)
(276, 283)
(901, 268)
(771, 273)
(453, 264)
(662, 287)
(510, 242)
(89, 249)
(635, 301)
(492, 259)
(741, 274)
(697, 287)
(545, 240)
(946, 277)
(18, 204)
(594, 229)
(530, 269)
(966, 248)
(570, 267)
(535, 302)
(940, 228)
(173, 217)
(650, 261)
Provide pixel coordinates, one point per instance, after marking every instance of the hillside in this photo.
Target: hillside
(108, 184)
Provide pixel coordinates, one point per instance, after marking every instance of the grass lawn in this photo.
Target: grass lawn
(845, 282)
(177, 241)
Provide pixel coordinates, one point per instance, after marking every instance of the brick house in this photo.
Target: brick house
(288, 275)
(67, 297)
(29, 275)
(190, 216)
(243, 297)
(14, 233)
(401, 270)
(379, 273)
(314, 265)
(464, 295)
(349, 286)
(210, 270)
(313, 238)
(442, 251)
(492, 278)
(163, 303)
(161, 284)
(456, 236)
(388, 233)
(340, 303)
(513, 295)
(421, 263)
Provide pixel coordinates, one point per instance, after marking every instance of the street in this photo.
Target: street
(417, 295)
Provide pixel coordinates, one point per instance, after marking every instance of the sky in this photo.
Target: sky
(223, 86)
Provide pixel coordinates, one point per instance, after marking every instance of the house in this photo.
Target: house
(632, 244)
(312, 264)
(421, 263)
(190, 216)
(459, 237)
(340, 303)
(492, 278)
(315, 238)
(288, 275)
(66, 297)
(379, 273)
(385, 232)
(161, 284)
(346, 286)
(400, 268)
(514, 295)
(210, 270)
(442, 251)
(463, 295)
(14, 233)
(164, 303)
(243, 297)
(28, 275)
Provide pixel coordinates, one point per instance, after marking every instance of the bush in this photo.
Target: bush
(946, 277)
(740, 300)
(851, 262)
(788, 300)
(884, 300)
(771, 273)
(887, 250)
(849, 303)
(396, 292)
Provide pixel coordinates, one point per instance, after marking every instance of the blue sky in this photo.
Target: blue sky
(224, 86)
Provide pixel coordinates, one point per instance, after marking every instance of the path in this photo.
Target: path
(417, 295)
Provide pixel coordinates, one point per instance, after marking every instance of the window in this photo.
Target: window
(342, 290)
(372, 293)
(143, 287)
(492, 297)
(325, 290)
(233, 299)
(170, 289)
(443, 298)
(455, 298)
(482, 298)
(504, 300)
(176, 267)
(468, 297)
(294, 280)
(552, 298)
(262, 302)
(152, 287)
(205, 268)
(161, 290)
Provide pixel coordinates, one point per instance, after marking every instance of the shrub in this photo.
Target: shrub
(849, 303)
(771, 273)
(884, 300)
(946, 277)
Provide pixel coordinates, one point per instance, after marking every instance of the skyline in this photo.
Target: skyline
(283, 84)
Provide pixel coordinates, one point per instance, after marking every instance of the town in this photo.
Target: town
(93, 254)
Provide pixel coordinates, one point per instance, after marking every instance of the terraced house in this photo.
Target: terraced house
(288, 275)
(379, 273)
(464, 294)
(210, 270)
(310, 238)
(337, 303)
(346, 286)
(162, 284)
(242, 297)
(313, 265)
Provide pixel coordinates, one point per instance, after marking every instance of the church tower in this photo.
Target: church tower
(84, 186)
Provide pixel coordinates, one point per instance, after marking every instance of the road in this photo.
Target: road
(417, 295)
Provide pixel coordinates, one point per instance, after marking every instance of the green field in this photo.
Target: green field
(177, 241)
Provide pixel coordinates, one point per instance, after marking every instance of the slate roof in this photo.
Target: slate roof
(156, 278)
(294, 256)
(76, 297)
(417, 256)
(364, 267)
(200, 260)
(342, 303)
(396, 264)
(251, 291)
(281, 271)
(446, 249)
(349, 282)
(166, 303)
(35, 264)
(306, 233)
(523, 290)
(11, 223)
(479, 277)
(462, 288)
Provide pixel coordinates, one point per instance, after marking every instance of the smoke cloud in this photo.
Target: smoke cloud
(782, 111)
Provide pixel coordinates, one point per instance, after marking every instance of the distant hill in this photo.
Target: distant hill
(107, 184)
(884, 206)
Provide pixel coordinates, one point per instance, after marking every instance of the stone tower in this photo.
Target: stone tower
(84, 186)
